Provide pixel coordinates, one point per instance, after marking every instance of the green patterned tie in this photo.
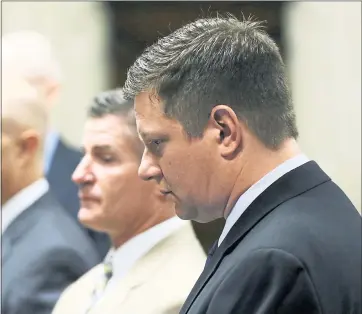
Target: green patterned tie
(102, 281)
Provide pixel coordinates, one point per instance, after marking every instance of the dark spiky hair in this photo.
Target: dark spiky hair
(215, 61)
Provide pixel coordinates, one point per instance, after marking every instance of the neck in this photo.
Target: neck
(26, 180)
(119, 239)
(257, 163)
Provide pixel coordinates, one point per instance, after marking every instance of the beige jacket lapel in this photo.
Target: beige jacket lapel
(76, 298)
(147, 266)
(139, 292)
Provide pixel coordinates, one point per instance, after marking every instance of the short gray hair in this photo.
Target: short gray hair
(112, 102)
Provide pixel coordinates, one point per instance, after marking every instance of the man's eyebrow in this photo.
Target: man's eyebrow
(102, 147)
(142, 134)
(147, 136)
(97, 148)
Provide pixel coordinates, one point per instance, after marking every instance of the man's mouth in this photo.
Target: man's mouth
(165, 192)
(87, 198)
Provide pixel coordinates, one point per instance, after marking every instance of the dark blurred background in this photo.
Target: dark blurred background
(137, 24)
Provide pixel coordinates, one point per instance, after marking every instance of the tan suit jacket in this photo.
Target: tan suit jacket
(157, 284)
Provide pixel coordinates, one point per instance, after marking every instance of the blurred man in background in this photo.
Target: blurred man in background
(43, 248)
(31, 55)
(214, 110)
(156, 257)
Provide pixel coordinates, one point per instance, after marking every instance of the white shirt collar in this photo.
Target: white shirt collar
(129, 253)
(21, 201)
(259, 187)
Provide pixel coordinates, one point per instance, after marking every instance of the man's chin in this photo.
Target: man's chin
(88, 219)
(185, 213)
(191, 213)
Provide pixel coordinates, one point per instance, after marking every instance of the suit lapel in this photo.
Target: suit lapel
(5, 249)
(113, 299)
(13, 236)
(19, 227)
(23, 223)
(287, 187)
(148, 266)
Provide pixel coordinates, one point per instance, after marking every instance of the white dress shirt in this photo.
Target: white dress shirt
(21, 201)
(256, 189)
(129, 253)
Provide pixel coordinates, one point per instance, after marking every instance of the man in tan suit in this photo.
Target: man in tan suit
(156, 258)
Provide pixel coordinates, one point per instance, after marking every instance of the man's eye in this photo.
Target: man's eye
(156, 142)
(106, 158)
(155, 146)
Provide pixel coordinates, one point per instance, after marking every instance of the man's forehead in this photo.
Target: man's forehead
(151, 118)
(107, 123)
(156, 127)
(147, 103)
(111, 130)
(148, 124)
(93, 140)
(96, 128)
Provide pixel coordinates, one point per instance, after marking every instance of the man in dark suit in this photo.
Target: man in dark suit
(216, 117)
(40, 68)
(43, 249)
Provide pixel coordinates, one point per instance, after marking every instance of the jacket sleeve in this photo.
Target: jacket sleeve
(38, 289)
(267, 281)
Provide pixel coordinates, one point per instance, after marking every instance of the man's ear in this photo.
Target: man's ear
(29, 142)
(224, 119)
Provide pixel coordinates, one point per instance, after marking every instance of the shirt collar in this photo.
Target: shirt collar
(259, 187)
(129, 253)
(21, 201)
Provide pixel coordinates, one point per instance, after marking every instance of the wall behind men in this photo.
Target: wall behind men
(79, 34)
(324, 57)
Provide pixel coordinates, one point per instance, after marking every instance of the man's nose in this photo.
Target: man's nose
(148, 169)
(82, 173)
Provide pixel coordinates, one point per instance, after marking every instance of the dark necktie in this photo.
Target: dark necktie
(211, 252)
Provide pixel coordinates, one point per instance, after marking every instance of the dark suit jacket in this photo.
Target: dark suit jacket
(62, 166)
(295, 250)
(43, 251)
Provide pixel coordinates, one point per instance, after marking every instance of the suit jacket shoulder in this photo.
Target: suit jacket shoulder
(283, 255)
(40, 259)
(157, 284)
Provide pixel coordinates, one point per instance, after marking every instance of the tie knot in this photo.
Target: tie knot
(102, 282)
(108, 271)
(108, 266)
